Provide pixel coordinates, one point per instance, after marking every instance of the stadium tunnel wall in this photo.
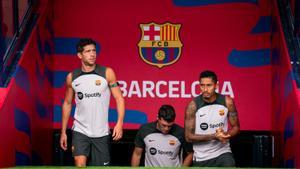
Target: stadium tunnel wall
(279, 130)
(285, 96)
(26, 116)
(29, 113)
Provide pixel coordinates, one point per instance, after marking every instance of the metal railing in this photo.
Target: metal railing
(292, 40)
(16, 25)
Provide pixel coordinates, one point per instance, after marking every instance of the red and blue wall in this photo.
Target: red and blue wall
(241, 40)
(285, 95)
(230, 37)
(26, 109)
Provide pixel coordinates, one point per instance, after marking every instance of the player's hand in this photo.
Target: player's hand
(222, 136)
(63, 141)
(118, 132)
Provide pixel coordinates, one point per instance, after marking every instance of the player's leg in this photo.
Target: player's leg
(225, 160)
(100, 151)
(80, 161)
(80, 148)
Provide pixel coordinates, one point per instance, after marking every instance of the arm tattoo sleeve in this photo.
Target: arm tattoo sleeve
(233, 114)
(190, 117)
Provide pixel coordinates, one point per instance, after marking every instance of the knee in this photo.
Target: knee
(80, 162)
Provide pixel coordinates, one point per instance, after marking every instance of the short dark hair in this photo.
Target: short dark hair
(167, 112)
(83, 42)
(209, 74)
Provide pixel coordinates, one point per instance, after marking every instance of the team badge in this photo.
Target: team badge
(172, 142)
(160, 44)
(221, 112)
(98, 82)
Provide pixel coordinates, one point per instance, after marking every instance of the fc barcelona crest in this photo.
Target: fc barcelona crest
(160, 44)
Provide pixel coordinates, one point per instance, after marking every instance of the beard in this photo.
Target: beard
(206, 95)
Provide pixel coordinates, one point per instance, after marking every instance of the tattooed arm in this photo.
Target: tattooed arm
(233, 117)
(189, 125)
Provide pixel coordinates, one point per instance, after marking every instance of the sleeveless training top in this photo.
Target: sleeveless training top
(209, 117)
(92, 96)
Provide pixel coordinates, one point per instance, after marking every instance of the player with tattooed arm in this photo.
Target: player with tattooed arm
(211, 119)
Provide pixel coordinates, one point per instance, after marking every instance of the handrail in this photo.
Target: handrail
(12, 52)
(293, 41)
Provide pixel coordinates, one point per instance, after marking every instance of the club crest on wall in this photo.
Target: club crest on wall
(160, 44)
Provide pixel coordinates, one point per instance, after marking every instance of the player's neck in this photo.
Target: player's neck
(211, 99)
(88, 68)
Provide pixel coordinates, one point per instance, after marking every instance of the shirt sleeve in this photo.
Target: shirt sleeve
(187, 146)
(139, 139)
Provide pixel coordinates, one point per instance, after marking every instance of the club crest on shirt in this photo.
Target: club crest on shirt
(172, 142)
(222, 112)
(98, 82)
(160, 44)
